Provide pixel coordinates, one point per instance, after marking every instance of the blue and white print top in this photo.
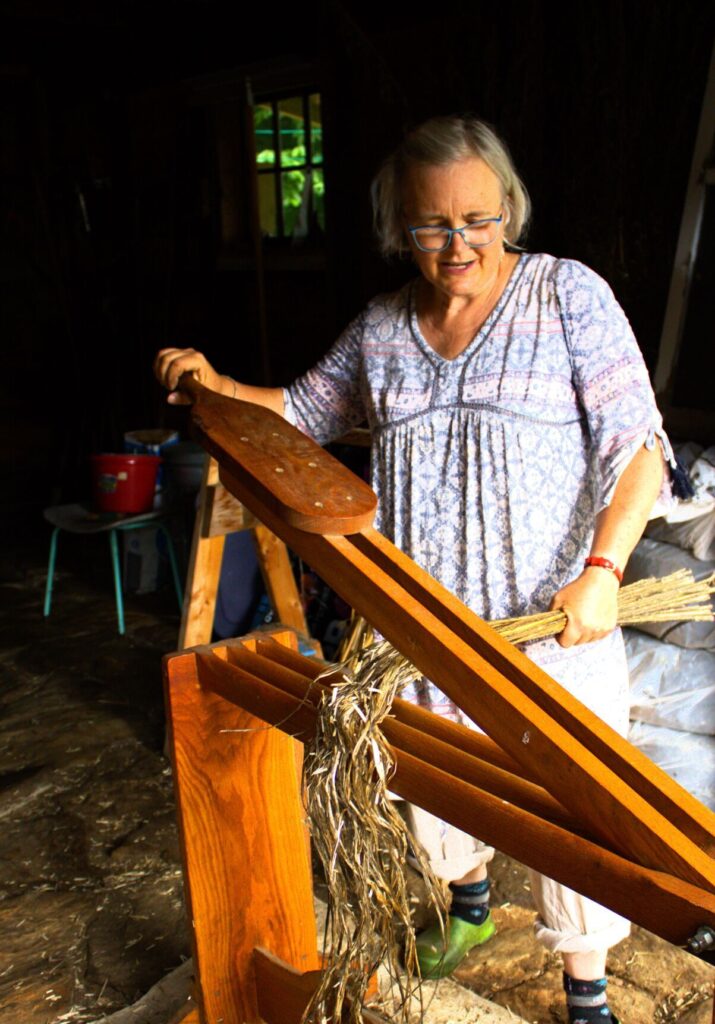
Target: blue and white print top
(490, 468)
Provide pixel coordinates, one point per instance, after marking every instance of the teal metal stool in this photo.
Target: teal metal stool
(78, 519)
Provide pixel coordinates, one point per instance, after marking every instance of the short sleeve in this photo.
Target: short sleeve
(327, 400)
(609, 374)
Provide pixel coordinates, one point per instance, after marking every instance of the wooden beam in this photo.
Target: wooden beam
(628, 763)
(204, 570)
(224, 514)
(220, 513)
(278, 578)
(241, 823)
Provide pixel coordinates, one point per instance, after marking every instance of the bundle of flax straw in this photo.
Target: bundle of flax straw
(674, 598)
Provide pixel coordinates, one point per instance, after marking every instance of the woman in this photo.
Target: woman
(515, 457)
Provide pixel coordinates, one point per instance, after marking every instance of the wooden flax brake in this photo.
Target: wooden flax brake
(553, 785)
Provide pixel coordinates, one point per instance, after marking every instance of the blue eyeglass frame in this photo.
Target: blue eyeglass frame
(455, 231)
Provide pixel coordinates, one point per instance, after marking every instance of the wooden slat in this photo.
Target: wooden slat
(475, 743)
(278, 578)
(241, 823)
(592, 791)
(505, 785)
(204, 571)
(665, 905)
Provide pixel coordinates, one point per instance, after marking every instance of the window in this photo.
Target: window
(289, 163)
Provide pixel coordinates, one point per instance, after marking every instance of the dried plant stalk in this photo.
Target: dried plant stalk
(674, 598)
(358, 635)
(362, 841)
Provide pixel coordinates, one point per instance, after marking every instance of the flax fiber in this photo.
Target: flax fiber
(361, 839)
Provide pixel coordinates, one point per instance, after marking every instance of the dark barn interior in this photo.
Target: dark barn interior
(128, 220)
(135, 214)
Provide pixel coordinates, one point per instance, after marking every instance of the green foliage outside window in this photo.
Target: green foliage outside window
(291, 180)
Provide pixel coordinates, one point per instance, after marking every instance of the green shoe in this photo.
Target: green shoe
(438, 961)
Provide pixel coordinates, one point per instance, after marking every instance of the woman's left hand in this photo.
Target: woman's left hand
(591, 605)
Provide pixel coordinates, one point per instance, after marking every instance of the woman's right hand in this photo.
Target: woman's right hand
(170, 363)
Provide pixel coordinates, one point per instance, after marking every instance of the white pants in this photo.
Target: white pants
(597, 674)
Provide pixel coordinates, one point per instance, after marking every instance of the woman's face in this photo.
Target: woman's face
(454, 195)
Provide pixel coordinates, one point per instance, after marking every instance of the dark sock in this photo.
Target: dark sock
(470, 902)
(587, 1001)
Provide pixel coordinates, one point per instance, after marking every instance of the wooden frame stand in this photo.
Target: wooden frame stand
(553, 785)
(245, 849)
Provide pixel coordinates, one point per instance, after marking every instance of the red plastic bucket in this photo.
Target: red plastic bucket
(124, 483)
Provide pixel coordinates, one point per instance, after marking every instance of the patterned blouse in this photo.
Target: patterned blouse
(490, 468)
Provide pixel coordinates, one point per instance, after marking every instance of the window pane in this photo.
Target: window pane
(319, 197)
(292, 134)
(267, 204)
(294, 215)
(316, 128)
(263, 122)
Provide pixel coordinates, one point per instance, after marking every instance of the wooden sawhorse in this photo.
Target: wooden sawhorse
(217, 515)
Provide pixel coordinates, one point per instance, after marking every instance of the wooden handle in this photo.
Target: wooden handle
(296, 478)
(190, 386)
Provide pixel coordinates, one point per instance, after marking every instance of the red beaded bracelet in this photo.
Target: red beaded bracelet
(605, 563)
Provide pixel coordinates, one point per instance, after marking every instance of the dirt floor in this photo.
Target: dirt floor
(91, 911)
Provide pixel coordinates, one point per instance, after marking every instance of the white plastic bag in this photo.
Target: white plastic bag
(671, 686)
(696, 535)
(654, 558)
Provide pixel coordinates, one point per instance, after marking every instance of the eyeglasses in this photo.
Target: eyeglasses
(476, 235)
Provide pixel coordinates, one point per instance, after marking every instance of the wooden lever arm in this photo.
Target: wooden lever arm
(299, 481)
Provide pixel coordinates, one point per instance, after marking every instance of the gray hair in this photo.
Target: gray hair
(437, 142)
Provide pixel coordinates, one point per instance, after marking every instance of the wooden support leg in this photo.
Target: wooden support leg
(202, 577)
(246, 859)
(278, 577)
(219, 514)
